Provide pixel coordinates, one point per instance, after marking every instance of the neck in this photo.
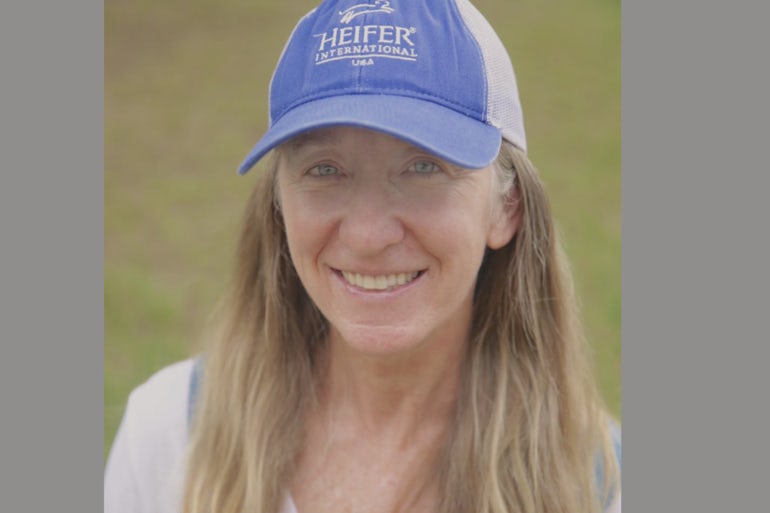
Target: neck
(379, 427)
(392, 396)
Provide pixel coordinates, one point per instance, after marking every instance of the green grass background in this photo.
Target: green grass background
(185, 96)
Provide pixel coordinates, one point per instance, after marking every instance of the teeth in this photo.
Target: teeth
(379, 282)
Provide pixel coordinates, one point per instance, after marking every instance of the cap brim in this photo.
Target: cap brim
(449, 135)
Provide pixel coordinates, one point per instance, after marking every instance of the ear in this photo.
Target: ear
(505, 220)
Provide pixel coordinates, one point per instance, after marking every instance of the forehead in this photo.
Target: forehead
(344, 140)
(340, 135)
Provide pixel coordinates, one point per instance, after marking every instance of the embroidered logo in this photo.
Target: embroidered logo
(362, 44)
(359, 9)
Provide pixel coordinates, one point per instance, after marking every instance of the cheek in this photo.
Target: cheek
(307, 229)
(463, 215)
(297, 221)
(454, 234)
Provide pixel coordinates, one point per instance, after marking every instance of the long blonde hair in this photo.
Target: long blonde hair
(529, 432)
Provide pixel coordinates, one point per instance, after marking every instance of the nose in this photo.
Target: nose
(371, 220)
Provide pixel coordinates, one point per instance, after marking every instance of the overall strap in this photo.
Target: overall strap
(196, 377)
(615, 433)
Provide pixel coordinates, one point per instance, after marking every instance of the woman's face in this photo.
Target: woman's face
(386, 238)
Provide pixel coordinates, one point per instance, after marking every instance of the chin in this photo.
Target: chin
(378, 340)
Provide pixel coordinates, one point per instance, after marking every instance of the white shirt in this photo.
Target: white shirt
(145, 468)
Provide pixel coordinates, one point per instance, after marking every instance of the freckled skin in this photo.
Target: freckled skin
(358, 201)
(378, 215)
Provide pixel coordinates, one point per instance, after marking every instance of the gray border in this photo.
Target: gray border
(694, 268)
(693, 246)
(51, 271)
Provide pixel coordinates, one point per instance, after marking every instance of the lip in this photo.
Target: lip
(389, 291)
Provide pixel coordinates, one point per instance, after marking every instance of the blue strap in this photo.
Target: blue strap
(616, 443)
(195, 379)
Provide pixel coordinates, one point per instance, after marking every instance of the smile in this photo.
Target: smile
(378, 282)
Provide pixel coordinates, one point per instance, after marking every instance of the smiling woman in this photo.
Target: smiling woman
(401, 334)
(366, 205)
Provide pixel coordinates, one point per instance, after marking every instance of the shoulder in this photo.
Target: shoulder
(147, 458)
(160, 403)
(156, 412)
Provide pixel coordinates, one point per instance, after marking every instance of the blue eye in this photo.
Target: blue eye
(323, 170)
(424, 167)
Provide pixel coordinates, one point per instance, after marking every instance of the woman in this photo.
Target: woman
(401, 333)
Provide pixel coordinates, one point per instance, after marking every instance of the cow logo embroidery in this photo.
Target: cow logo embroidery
(360, 9)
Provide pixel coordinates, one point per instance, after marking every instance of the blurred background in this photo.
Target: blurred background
(185, 98)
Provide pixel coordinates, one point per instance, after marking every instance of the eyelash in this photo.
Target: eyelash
(317, 170)
(434, 167)
(325, 170)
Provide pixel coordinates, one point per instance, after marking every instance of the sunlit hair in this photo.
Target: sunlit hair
(529, 432)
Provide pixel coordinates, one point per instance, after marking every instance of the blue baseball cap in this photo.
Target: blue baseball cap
(431, 72)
